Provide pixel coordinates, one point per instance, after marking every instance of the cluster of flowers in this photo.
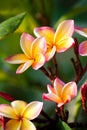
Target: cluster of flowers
(36, 52)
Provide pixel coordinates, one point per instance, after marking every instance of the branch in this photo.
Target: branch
(79, 70)
(77, 125)
(47, 74)
(55, 65)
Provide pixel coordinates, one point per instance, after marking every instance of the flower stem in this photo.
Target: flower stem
(46, 73)
(55, 65)
(79, 70)
(62, 114)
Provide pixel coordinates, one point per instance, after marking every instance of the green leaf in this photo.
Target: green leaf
(4, 101)
(63, 126)
(10, 25)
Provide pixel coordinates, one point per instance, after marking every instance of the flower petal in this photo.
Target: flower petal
(46, 32)
(65, 29)
(38, 46)
(60, 104)
(64, 45)
(50, 53)
(58, 85)
(7, 111)
(39, 61)
(27, 125)
(13, 125)
(25, 43)
(18, 106)
(17, 59)
(69, 91)
(24, 67)
(81, 31)
(50, 89)
(51, 97)
(83, 48)
(32, 110)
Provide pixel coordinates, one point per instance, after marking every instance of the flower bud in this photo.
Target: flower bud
(84, 92)
(84, 96)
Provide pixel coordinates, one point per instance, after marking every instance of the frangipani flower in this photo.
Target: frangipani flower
(81, 31)
(83, 48)
(20, 113)
(58, 41)
(61, 93)
(34, 51)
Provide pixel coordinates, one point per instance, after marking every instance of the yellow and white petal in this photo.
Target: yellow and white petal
(25, 43)
(27, 125)
(39, 61)
(81, 31)
(7, 111)
(58, 85)
(46, 32)
(13, 125)
(65, 29)
(18, 106)
(38, 46)
(24, 67)
(83, 48)
(69, 91)
(50, 53)
(32, 110)
(17, 59)
(64, 44)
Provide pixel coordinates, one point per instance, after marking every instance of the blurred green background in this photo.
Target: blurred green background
(31, 84)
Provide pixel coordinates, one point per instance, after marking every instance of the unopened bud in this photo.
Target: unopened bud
(84, 95)
(84, 91)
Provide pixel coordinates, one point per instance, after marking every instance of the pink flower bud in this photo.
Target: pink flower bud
(84, 92)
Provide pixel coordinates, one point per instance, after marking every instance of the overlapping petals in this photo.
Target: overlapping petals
(83, 48)
(34, 53)
(20, 113)
(61, 93)
(58, 41)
